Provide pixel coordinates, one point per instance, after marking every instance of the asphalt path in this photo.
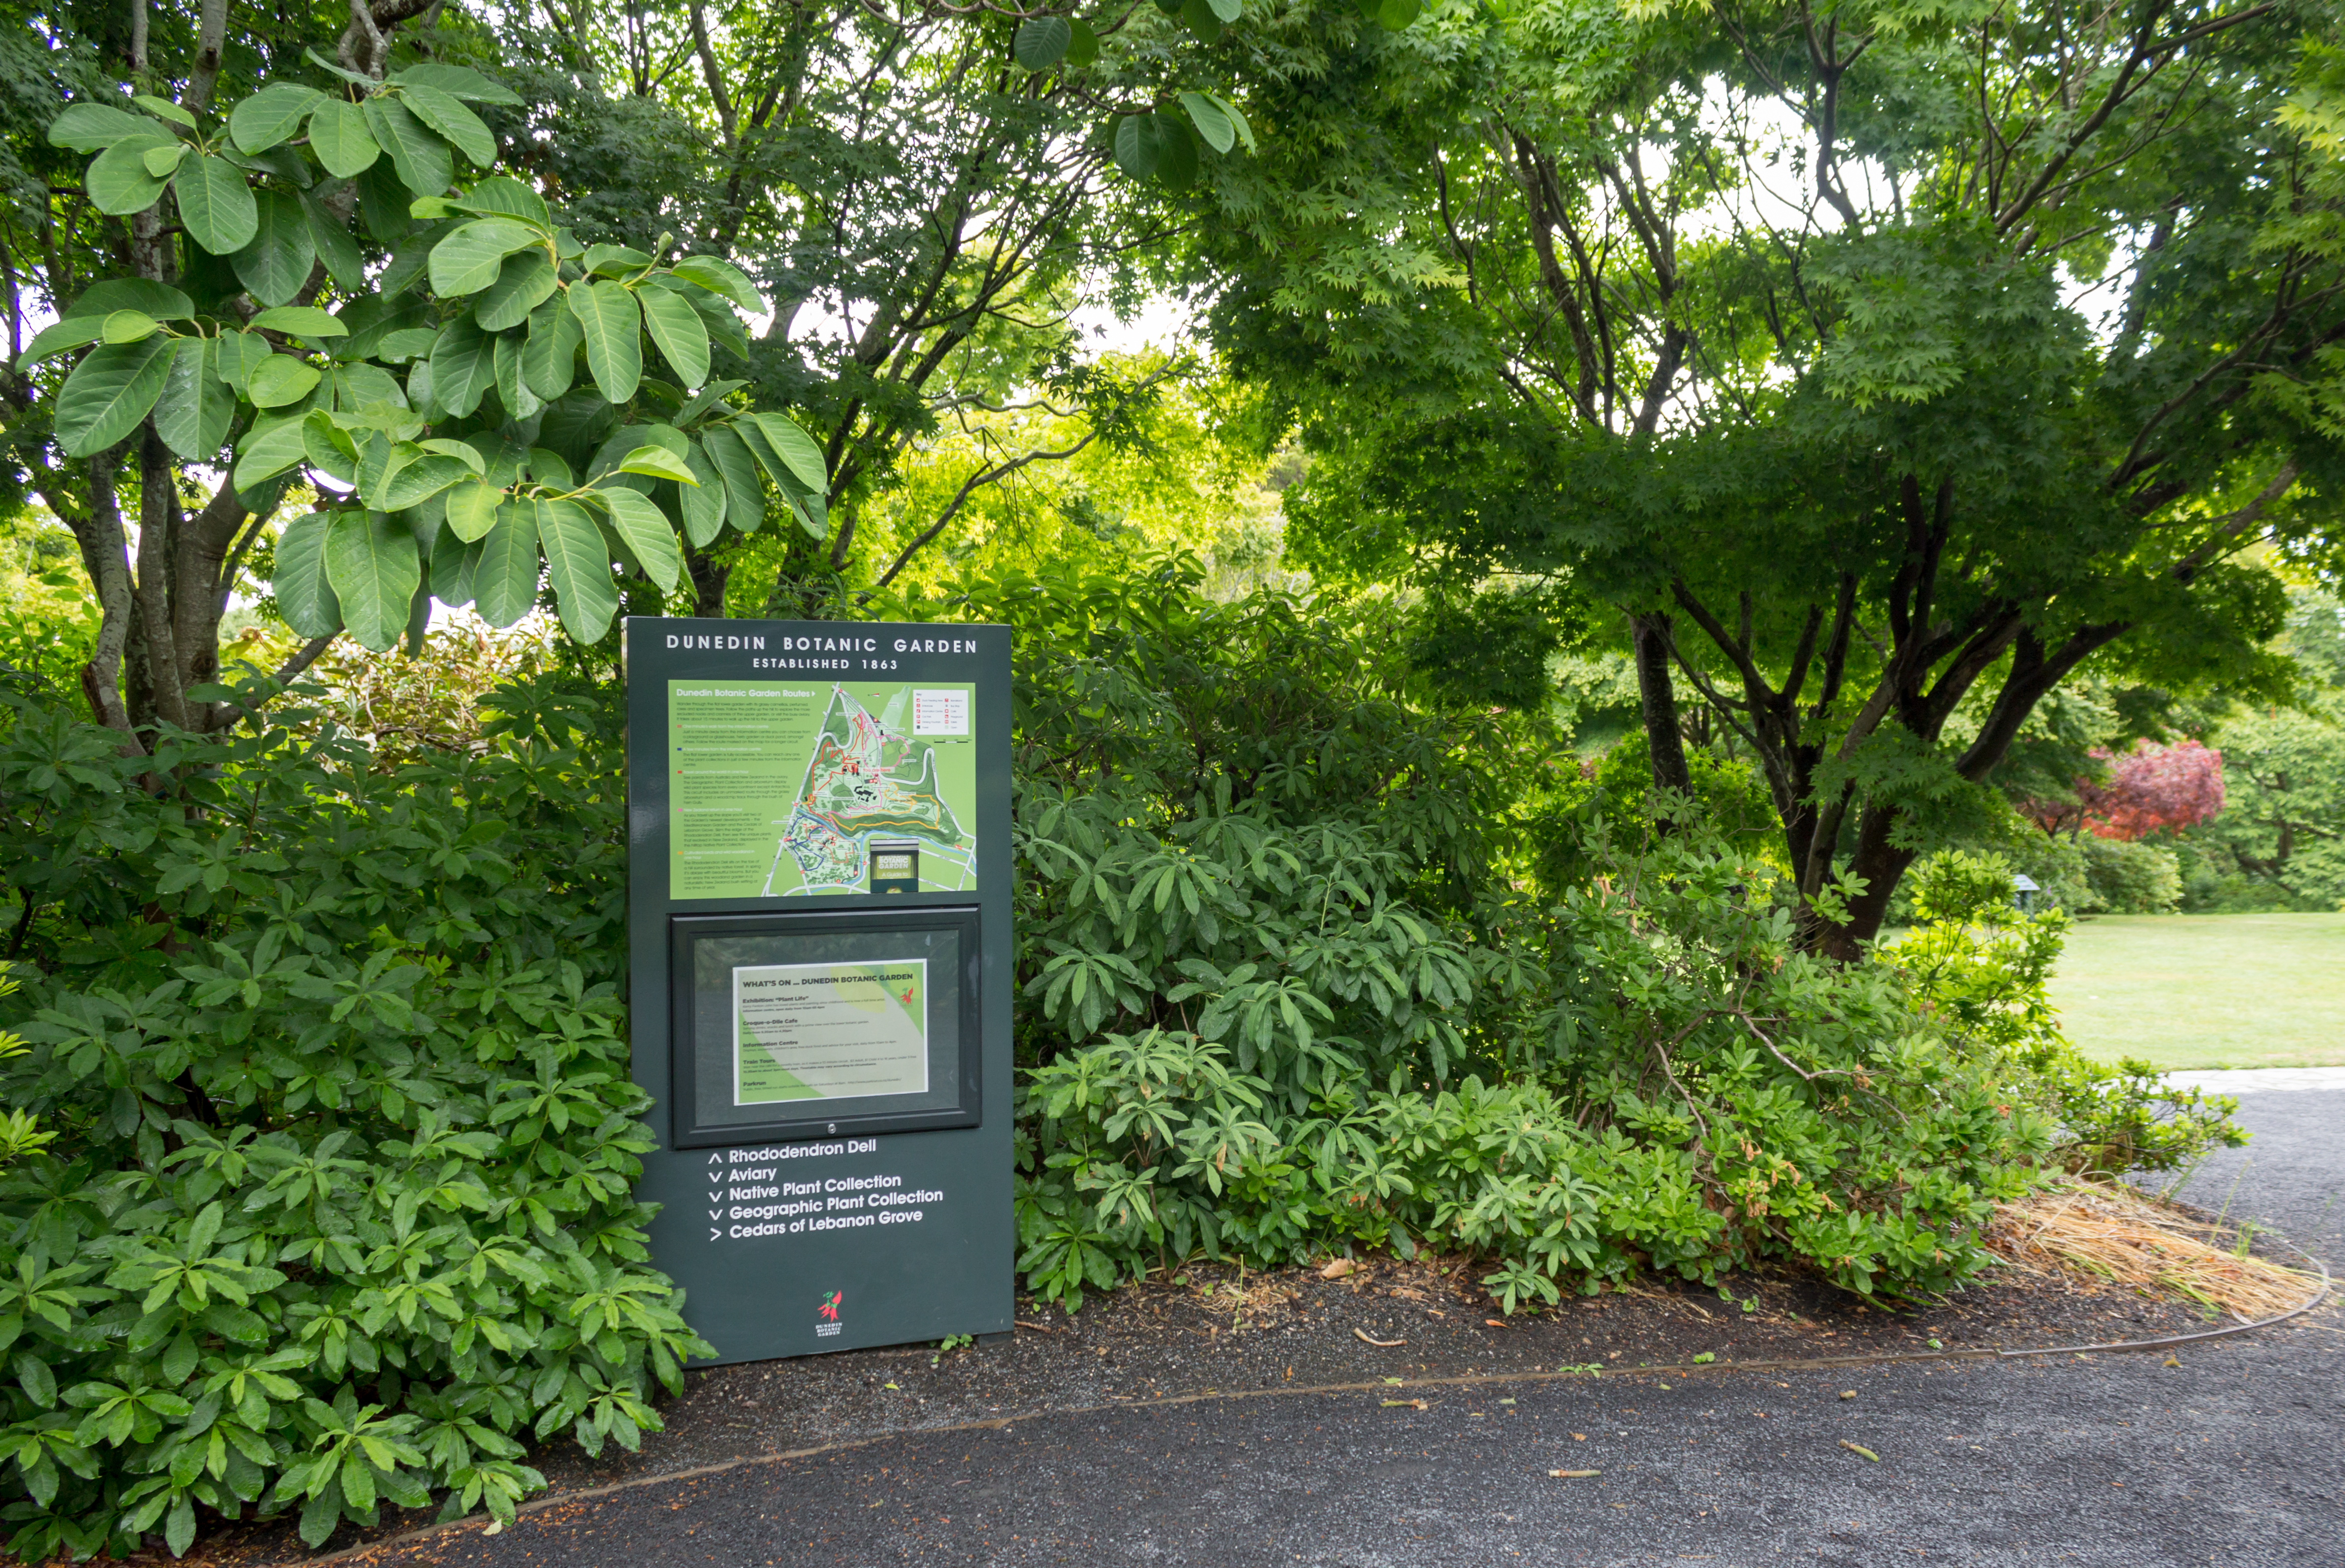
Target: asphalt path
(2225, 1452)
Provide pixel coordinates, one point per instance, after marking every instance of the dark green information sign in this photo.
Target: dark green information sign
(818, 915)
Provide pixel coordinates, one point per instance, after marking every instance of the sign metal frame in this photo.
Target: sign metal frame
(832, 1228)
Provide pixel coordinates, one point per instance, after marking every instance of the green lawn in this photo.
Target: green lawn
(2207, 990)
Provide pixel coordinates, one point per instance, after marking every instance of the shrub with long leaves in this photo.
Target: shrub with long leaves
(1293, 983)
(340, 1205)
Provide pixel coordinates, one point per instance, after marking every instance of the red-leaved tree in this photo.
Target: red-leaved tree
(2153, 789)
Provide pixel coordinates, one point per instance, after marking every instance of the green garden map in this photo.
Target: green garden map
(780, 787)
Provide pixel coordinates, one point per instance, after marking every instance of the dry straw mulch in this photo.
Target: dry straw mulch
(2112, 1231)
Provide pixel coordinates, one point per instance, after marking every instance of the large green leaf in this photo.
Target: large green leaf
(419, 609)
(299, 321)
(797, 450)
(374, 454)
(236, 355)
(1135, 145)
(334, 243)
(371, 564)
(472, 508)
(330, 449)
(745, 497)
(703, 503)
(679, 330)
(61, 337)
(277, 263)
(804, 504)
(469, 260)
(453, 120)
(647, 534)
(1040, 42)
(526, 280)
(721, 277)
(340, 136)
(92, 128)
(271, 115)
(118, 180)
(454, 563)
(580, 565)
(513, 387)
(613, 328)
(163, 107)
(129, 327)
(457, 82)
(1176, 148)
(505, 579)
(659, 462)
(501, 195)
(216, 204)
(463, 366)
(1237, 121)
(159, 300)
(549, 361)
(267, 449)
(304, 596)
(281, 380)
(1212, 124)
(368, 388)
(425, 165)
(109, 393)
(1203, 20)
(195, 410)
(412, 480)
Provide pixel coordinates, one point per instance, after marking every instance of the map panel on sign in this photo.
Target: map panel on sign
(781, 787)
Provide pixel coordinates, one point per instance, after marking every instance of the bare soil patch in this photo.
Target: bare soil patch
(1214, 1329)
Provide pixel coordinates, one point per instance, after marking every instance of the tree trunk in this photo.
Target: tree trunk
(1657, 695)
(1881, 863)
(708, 577)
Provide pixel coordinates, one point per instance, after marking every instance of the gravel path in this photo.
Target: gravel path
(2225, 1453)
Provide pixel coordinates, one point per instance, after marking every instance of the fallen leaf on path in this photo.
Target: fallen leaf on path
(1493, 1322)
(1860, 1449)
(1580, 1437)
(1848, 1393)
(1381, 1344)
(1410, 1404)
(1574, 1474)
(1338, 1269)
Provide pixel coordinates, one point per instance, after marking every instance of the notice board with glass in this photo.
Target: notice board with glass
(819, 963)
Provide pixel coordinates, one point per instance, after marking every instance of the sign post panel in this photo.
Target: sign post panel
(820, 968)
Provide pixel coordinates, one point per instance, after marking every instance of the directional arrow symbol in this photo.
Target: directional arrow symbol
(715, 1234)
(717, 1214)
(715, 1159)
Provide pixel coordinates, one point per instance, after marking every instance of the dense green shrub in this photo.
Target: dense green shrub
(340, 1207)
(2132, 877)
(1295, 983)
(1696, 1095)
(1983, 969)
